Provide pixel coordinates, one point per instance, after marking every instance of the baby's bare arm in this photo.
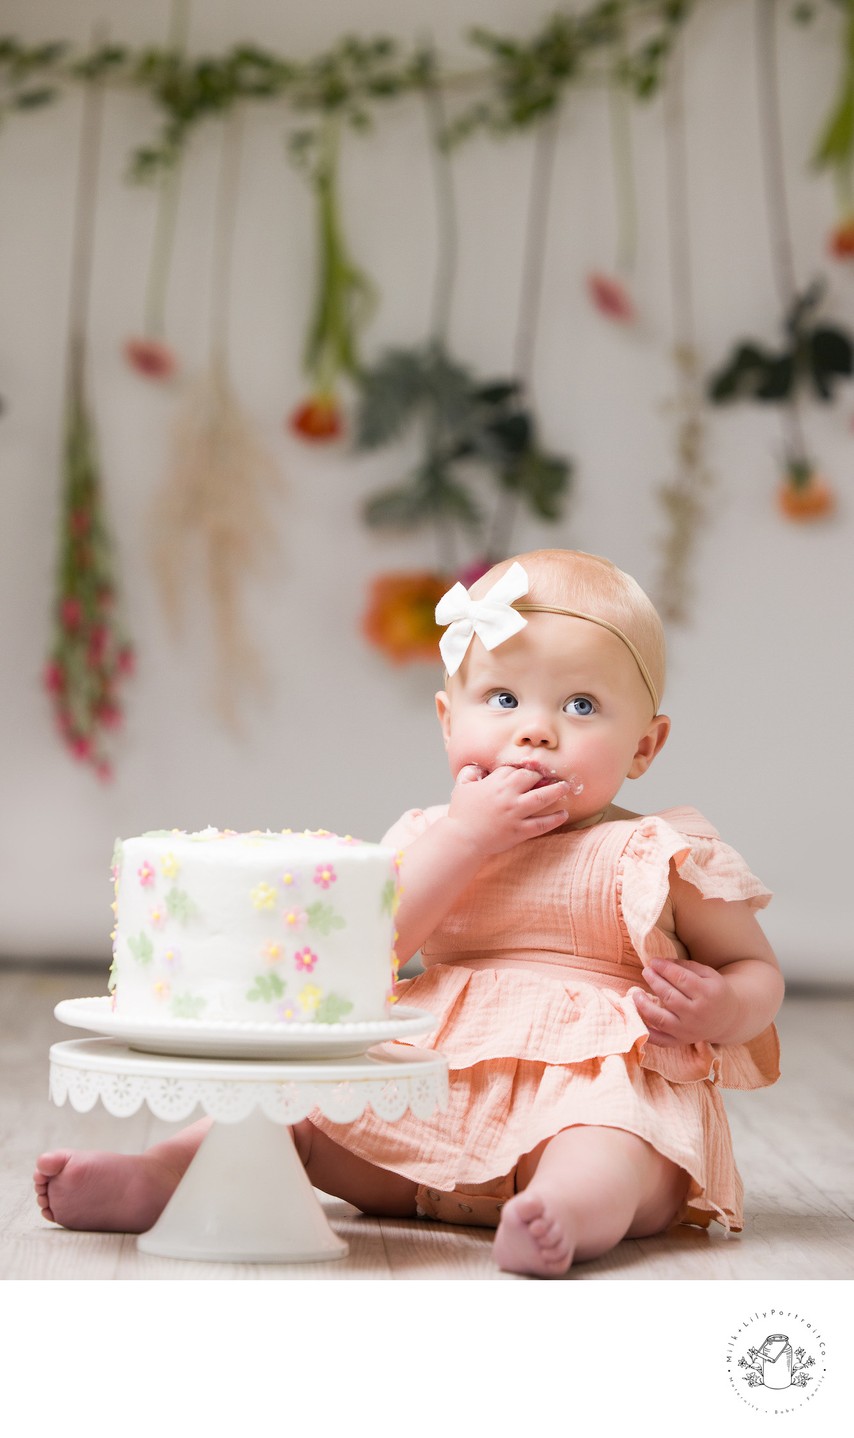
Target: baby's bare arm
(487, 815)
(731, 987)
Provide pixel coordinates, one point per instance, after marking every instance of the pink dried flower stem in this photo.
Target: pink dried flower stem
(90, 656)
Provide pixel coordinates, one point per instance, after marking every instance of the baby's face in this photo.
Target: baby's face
(563, 697)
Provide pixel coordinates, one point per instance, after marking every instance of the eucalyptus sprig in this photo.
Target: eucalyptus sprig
(464, 422)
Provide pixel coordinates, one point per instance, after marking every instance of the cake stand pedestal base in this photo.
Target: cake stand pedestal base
(245, 1198)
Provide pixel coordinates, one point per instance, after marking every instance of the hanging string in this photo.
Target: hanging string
(167, 204)
(85, 208)
(774, 180)
(446, 218)
(530, 304)
(534, 253)
(443, 284)
(225, 217)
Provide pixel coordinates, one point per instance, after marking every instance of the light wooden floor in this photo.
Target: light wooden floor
(793, 1143)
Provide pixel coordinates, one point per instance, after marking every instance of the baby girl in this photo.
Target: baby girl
(596, 975)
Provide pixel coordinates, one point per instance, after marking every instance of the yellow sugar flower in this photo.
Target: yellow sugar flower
(169, 866)
(309, 998)
(263, 896)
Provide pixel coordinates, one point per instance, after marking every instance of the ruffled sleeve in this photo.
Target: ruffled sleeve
(689, 842)
(412, 825)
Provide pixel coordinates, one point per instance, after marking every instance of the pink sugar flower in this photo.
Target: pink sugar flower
(305, 960)
(146, 875)
(157, 917)
(325, 875)
(295, 918)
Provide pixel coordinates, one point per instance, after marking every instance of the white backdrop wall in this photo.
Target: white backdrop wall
(760, 687)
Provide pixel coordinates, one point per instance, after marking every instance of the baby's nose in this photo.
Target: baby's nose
(537, 731)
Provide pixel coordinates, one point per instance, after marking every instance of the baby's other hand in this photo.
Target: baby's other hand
(689, 1003)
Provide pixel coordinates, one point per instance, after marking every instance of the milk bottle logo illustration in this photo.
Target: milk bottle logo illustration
(776, 1359)
(776, 1364)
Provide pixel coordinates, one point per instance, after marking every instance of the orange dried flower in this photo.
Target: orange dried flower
(805, 495)
(840, 241)
(400, 616)
(318, 419)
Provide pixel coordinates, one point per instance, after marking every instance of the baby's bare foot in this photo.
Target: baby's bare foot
(103, 1192)
(533, 1237)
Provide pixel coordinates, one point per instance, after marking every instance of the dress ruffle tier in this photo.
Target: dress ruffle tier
(535, 1045)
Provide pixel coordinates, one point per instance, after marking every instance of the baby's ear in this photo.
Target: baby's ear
(443, 709)
(652, 741)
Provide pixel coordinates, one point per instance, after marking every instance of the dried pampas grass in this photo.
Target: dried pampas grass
(214, 502)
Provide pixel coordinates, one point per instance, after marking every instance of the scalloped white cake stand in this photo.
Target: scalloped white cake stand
(246, 1198)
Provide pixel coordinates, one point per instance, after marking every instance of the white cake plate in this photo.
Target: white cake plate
(245, 1197)
(242, 1040)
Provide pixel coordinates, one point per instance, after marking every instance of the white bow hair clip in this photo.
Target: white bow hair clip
(492, 618)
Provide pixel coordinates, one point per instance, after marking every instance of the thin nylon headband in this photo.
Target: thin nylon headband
(593, 619)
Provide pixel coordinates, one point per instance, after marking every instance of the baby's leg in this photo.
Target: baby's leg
(581, 1193)
(126, 1193)
(334, 1170)
(114, 1192)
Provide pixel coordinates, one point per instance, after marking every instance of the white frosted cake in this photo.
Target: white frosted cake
(281, 928)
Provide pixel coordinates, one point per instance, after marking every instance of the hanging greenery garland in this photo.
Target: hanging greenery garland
(467, 423)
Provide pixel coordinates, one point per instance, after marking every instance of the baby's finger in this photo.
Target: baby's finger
(675, 989)
(470, 774)
(680, 972)
(536, 799)
(654, 1017)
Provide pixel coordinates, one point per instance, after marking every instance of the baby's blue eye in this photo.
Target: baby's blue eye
(580, 706)
(502, 700)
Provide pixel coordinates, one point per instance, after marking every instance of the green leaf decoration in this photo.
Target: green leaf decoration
(464, 422)
(830, 355)
(323, 918)
(388, 899)
(187, 1006)
(817, 355)
(739, 377)
(541, 481)
(180, 905)
(142, 948)
(777, 381)
(331, 1009)
(267, 988)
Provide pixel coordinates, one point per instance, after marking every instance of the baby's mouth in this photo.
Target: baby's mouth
(547, 776)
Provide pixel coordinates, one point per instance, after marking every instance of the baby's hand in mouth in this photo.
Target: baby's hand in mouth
(470, 773)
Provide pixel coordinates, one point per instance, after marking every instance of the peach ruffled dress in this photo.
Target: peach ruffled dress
(529, 976)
